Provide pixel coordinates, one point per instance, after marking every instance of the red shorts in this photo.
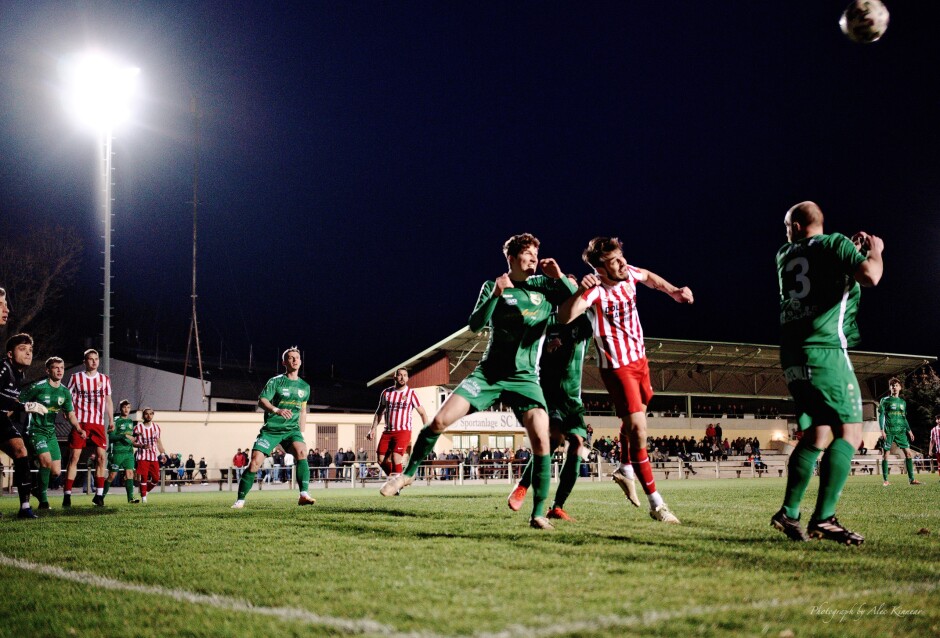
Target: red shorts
(148, 469)
(396, 442)
(629, 387)
(96, 437)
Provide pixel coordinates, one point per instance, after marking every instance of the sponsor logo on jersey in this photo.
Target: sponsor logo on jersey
(509, 299)
(285, 392)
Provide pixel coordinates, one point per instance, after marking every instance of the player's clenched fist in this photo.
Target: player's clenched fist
(502, 283)
(550, 267)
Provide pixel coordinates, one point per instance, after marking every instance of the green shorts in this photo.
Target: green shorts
(269, 439)
(521, 392)
(900, 438)
(823, 386)
(44, 444)
(122, 460)
(565, 408)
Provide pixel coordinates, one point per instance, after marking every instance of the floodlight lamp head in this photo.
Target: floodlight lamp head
(99, 90)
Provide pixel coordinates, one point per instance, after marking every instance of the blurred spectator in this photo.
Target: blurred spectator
(190, 468)
(325, 463)
(238, 462)
(362, 458)
(288, 475)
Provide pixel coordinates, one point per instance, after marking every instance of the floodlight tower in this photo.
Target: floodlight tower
(99, 96)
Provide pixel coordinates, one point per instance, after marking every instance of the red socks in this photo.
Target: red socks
(641, 465)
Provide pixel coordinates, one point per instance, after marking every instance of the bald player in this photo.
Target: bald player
(820, 278)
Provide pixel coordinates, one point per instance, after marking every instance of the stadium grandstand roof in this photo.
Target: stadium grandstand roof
(679, 366)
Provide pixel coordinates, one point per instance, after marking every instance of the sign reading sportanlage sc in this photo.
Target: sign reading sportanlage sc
(488, 422)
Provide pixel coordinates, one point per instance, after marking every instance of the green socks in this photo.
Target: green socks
(245, 485)
(909, 464)
(833, 472)
(884, 469)
(422, 447)
(107, 485)
(799, 472)
(129, 488)
(541, 480)
(569, 474)
(303, 474)
(44, 474)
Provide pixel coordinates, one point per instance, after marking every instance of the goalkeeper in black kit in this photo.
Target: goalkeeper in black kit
(13, 414)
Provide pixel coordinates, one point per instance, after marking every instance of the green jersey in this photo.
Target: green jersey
(818, 292)
(892, 414)
(517, 320)
(285, 394)
(56, 400)
(123, 426)
(562, 359)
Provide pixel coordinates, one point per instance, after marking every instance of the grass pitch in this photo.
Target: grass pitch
(450, 560)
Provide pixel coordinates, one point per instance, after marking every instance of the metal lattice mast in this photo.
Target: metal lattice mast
(194, 324)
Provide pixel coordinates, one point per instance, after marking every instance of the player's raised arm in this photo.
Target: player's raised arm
(575, 306)
(869, 271)
(486, 302)
(654, 281)
(551, 268)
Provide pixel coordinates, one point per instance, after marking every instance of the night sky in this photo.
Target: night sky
(362, 162)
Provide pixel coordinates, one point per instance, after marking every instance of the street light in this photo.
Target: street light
(98, 95)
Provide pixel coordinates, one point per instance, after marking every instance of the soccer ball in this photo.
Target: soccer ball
(864, 21)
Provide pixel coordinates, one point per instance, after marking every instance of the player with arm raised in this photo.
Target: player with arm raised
(121, 451)
(284, 401)
(892, 419)
(395, 407)
(609, 298)
(43, 443)
(516, 306)
(149, 446)
(91, 396)
(819, 277)
(13, 415)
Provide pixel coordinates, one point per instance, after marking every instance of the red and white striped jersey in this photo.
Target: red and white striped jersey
(935, 439)
(618, 334)
(147, 435)
(397, 405)
(90, 396)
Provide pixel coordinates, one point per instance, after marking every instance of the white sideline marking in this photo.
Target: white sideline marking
(213, 600)
(608, 621)
(632, 621)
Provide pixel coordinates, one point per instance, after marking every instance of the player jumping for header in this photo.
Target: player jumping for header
(516, 306)
(819, 277)
(609, 298)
